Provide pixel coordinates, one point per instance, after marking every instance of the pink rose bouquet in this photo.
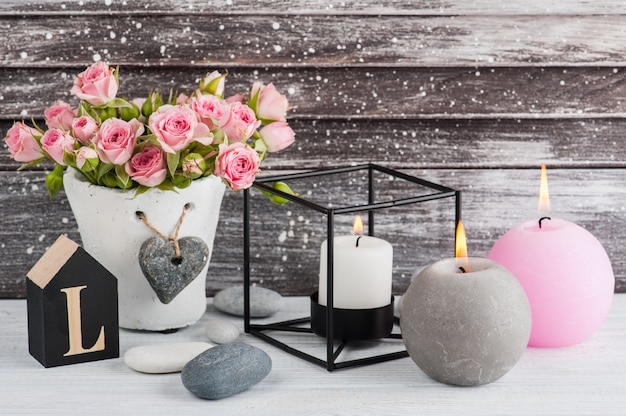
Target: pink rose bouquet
(145, 142)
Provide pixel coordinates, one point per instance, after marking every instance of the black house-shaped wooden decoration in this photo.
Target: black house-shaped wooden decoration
(72, 307)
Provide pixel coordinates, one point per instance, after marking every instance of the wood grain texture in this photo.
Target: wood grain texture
(581, 380)
(313, 40)
(474, 95)
(323, 7)
(379, 93)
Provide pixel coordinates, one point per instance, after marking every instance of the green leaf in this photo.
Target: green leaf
(69, 159)
(261, 148)
(254, 101)
(118, 103)
(141, 189)
(123, 178)
(167, 185)
(181, 182)
(31, 164)
(172, 162)
(103, 169)
(54, 180)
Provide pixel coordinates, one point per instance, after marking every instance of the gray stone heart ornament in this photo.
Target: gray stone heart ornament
(168, 274)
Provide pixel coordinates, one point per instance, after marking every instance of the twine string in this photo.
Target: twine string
(174, 236)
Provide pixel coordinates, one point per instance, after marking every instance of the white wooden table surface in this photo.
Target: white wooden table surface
(586, 379)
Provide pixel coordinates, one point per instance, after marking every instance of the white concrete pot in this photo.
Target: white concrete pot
(113, 234)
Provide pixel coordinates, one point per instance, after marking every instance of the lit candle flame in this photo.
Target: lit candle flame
(358, 226)
(460, 252)
(543, 208)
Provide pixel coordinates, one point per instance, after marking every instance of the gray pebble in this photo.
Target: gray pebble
(263, 302)
(221, 331)
(225, 370)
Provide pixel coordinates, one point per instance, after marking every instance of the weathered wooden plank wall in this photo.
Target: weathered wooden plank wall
(473, 95)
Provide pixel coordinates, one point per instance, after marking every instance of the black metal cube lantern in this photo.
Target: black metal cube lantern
(334, 324)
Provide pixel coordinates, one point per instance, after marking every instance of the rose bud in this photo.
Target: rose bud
(194, 165)
(87, 159)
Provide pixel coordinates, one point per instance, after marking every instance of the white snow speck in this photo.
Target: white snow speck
(41, 237)
(108, 2)
(291, 90)
(112, 34)
(275, 25)
(23, 55)
(30, 250)
(65, 220)
(48, 36)
(282, 237)
(278, 48)
(97, 57)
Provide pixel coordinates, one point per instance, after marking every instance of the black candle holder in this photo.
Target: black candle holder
(346, 325)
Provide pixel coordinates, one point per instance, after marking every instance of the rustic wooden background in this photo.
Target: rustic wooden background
(472, 95)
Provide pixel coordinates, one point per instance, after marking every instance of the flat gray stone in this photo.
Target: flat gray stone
(225, 370)
(220, 331)
(164, 357)
(263, 302)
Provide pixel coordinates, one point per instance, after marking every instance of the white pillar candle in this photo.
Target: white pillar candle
(361, 274)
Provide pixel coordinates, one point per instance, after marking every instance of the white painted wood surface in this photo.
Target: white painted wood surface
(586, 379)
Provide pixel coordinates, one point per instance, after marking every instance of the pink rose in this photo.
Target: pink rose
(237, 164)
(241, 123)
(116, 140)
(177, 126)
(56, 142)
(59, 116)
(277, 136)
(84, 128)
(86, 154)
(22, 144)
(210, 109)
(96, 85)
(148, 167)
(237, 98)
(271, 105)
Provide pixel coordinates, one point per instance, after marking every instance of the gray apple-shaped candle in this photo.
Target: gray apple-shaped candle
(465, 326)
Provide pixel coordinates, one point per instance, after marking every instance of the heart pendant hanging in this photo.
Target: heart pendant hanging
(167, 273)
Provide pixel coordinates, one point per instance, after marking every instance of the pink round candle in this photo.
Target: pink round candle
(567, 277)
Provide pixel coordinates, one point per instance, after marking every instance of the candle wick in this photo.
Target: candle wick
(462, 269)
(543, 218)
(357, 240)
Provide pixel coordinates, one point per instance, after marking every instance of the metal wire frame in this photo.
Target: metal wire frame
(294, 325)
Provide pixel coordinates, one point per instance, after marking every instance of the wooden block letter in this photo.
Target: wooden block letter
(72, 307)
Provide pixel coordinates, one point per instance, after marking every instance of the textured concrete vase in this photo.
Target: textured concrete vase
(112, 233)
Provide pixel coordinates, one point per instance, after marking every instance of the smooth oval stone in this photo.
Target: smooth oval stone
(263, 302)
(221, 331)
(225, 370)
(163, 358)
